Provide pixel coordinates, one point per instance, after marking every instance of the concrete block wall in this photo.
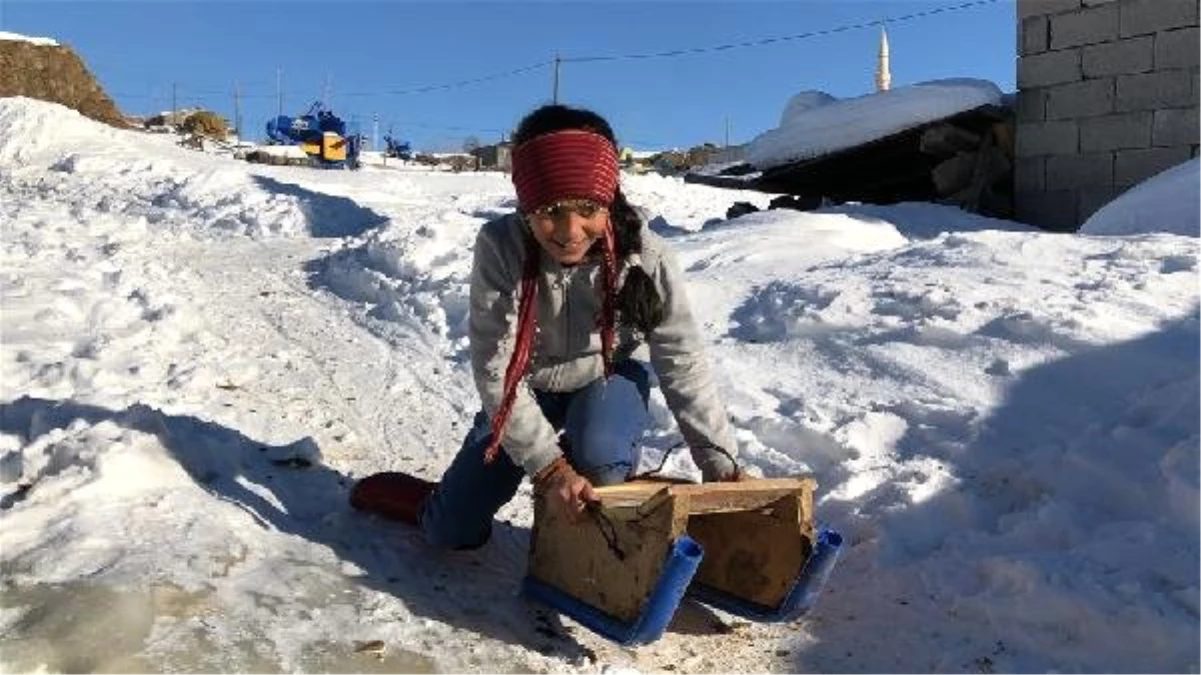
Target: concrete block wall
(1107, 97)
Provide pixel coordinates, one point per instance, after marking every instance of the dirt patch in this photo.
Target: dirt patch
(56, 74)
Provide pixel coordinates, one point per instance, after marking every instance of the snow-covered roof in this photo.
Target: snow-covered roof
(17, 37)
(815, 123)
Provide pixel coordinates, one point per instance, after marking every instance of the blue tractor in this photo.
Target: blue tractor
(321, 134)
(397, 148)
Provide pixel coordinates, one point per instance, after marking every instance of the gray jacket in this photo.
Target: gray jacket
(567, 352)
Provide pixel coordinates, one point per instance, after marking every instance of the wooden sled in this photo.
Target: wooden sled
(750, 548)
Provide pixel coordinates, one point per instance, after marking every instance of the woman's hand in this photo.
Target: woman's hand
(565, 490)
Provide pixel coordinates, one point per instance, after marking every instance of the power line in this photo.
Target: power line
(784, 38)
(454, 85)
(557, 60)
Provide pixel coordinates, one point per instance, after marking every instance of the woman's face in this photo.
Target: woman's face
(567, 229)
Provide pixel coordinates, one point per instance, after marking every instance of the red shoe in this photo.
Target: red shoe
(393, 495)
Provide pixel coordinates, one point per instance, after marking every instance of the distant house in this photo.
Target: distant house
(498, 157)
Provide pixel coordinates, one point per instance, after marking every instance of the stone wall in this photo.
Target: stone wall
(1107, 97)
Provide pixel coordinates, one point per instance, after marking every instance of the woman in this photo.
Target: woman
(571, 294)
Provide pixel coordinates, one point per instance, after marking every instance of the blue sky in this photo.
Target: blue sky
(372, 55)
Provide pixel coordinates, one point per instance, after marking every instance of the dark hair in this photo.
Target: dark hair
(638, 303)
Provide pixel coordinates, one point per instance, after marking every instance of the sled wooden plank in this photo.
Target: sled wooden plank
(577, 559)
(755, 555)
(708, 497)
(742, 495)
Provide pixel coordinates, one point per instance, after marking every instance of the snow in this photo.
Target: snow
(804, 102)
(16, 37)
(201, 355)
(815, 123)
(1169, 201)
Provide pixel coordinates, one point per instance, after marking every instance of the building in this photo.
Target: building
(497, 157)
(1107, 97)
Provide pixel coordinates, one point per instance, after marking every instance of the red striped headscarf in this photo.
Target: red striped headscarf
(569, 164)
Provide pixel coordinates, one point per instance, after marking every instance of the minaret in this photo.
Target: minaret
(883, 77)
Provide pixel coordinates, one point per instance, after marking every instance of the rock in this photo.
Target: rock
(740, 209)
(797, 203)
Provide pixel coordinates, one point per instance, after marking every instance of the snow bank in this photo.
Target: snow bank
(16, 37)
(815, 124)
(1169, 201)
(54, 150)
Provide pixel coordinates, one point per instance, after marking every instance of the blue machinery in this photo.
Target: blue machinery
(397, 148)
(321, 134)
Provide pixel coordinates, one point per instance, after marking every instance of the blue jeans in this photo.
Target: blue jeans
(601, 423)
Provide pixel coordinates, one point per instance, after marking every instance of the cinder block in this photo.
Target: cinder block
(1047, 138)
(1175, 126)
(1176, 49)
(1123, 57)
(1135, 166)
(1153, 91)
(1140, 17)
(1031, 105)
(1084, 27)
(1030, 174)
(1034, 35)
(1092, 199)
(1049, 210)
(1115, 132)
(1041, 7)
(1072, 172)
(1040, 70)
(1080, 99)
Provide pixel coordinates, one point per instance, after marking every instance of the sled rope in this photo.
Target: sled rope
(651, 473)
(607, 529)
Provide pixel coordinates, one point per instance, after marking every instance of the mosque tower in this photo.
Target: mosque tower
(883, 76)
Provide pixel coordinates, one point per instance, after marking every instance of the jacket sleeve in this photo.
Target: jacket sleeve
(686, 377)
(528, 438)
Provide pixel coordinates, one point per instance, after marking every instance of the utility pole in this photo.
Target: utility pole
(325, 92)
(375, 131)
(727, 131)
(174, 107)
(237, 111)
(279, 91)
(555, 97)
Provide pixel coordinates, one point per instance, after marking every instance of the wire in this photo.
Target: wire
(783, 38)
(246, 88)
(453, 85)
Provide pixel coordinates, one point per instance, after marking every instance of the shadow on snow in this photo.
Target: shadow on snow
(326, 215)
(1085, 458)
(315, 505)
